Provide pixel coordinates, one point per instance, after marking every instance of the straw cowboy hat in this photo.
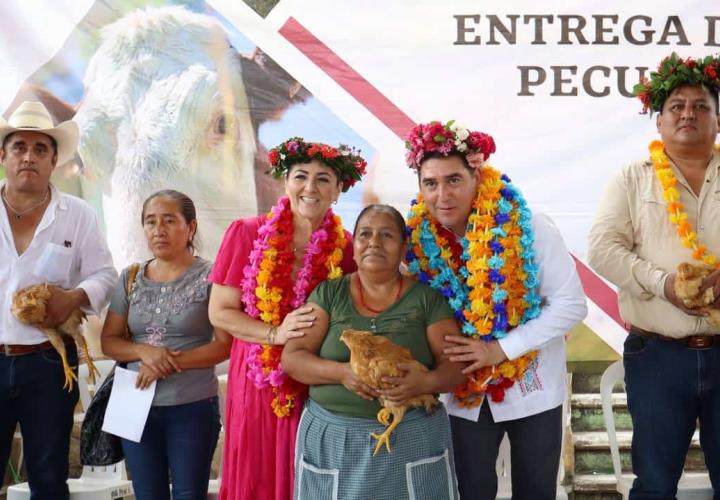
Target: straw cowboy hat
(34, 117)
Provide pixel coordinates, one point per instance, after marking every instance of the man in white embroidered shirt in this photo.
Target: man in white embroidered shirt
(47, 237)
(656, 214)
(515, 291)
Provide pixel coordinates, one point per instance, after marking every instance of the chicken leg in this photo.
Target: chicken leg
(59, 345)
(383, 417)
(71, 327)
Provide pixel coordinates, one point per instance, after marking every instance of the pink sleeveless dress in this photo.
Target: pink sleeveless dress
(259, 453)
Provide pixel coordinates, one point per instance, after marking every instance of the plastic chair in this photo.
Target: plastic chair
(95, 483)
(104, 366)
(502, 469)
(692, 485)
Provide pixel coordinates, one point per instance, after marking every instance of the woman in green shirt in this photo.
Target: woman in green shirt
(334, 448)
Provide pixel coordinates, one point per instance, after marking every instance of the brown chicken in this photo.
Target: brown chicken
(28, 306)
(688, 280)
(373, 357)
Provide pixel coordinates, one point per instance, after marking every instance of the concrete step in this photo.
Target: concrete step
(586, 413)
(592, 453)
(602, 486)
(593, 400)
(589, 383)
(595, 487)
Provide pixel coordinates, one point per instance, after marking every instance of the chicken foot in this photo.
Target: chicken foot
(383, 417)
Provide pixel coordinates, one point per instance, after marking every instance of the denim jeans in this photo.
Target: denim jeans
(669, 387)
(535, 443)
(31, 393)
(180, 439)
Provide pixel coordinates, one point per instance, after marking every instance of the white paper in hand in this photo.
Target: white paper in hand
(128, 407)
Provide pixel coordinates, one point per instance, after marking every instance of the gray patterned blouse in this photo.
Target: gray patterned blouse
(171, 314)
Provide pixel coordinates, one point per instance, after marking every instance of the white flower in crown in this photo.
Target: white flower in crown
(460, 146)
(460, 132)
(282, 156)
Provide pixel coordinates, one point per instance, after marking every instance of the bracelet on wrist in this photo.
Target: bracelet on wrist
(270, 335)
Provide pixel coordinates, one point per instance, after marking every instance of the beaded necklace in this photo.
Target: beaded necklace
(378, 311)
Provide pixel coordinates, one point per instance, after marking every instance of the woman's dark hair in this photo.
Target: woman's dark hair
(387, 210)
(187, 209)
(438, 154)
(321, 162)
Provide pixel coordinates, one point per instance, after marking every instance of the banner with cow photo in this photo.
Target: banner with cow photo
(191, 94)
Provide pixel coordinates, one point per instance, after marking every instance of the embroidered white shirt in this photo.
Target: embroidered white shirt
(67, 250)
(543, 386)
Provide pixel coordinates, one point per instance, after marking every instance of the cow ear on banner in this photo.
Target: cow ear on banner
(270, 89)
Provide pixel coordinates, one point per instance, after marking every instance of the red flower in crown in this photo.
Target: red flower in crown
(672, 72)
(482, 142)
(435, 137)
(344, 160)
(273, 156)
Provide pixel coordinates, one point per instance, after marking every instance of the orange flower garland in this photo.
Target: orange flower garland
(269, 291)
(494, 287)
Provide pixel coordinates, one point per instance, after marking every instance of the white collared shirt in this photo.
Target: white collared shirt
(67, 250)
(543, 386)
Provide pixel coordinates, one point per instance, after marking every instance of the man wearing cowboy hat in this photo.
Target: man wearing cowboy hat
(47, 237)
(656, 214)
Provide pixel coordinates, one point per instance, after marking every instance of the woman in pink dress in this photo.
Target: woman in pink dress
(265, 269)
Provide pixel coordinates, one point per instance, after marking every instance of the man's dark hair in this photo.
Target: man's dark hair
(7, 139)
(437, 154)
(713, 91)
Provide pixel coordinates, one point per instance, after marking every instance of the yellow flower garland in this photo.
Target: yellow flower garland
(676, 210)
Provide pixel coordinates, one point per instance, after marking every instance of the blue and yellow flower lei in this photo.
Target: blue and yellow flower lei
(494, 287)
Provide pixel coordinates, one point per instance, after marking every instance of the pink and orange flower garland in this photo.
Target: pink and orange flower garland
(268, 291)
(494, 287)
(677, 214)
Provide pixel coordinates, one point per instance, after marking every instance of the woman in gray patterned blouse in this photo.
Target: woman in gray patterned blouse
(174, 343)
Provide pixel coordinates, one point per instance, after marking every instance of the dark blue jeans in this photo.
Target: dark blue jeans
(180, 439)
(535, 443)
(669, 387)
(31, 392)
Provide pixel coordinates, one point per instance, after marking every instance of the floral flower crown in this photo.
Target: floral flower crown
(674, 71)
(434, 137)
(344, 160)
